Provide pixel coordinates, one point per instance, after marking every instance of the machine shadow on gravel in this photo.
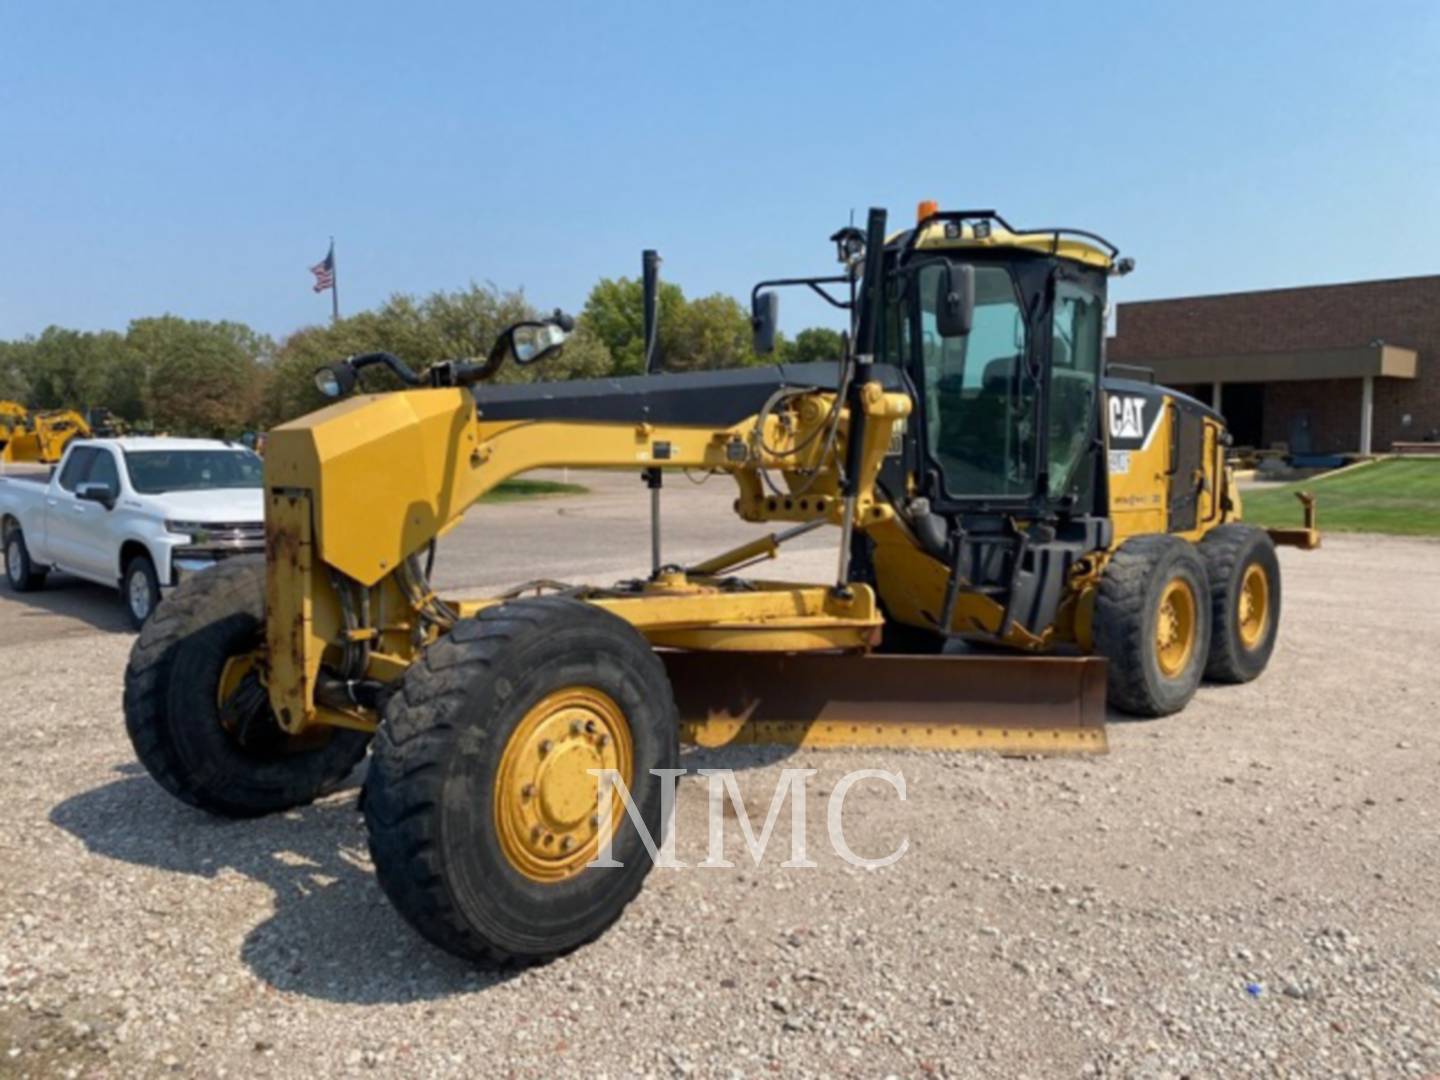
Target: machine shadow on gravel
(332, 935)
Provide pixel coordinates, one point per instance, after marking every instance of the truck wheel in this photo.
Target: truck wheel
(23, 575)
(195, 656)
(1152, 622)
(140, 589)
(1244, 601)
(481, 812)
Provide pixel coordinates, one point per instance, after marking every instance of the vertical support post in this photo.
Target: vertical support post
(653, 481)
(650, 302)
(871, 303)
(1367, 413)
(1216, 396)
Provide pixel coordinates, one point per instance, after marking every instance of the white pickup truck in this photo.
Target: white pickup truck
(133, 513)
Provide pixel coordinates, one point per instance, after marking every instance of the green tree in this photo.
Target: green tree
(15, 358)
(202, 381)
(444, 325)
(615, 313)
(710, 332)
(816, 343)
(69, 369)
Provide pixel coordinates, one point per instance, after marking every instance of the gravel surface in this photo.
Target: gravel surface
(1248, 888)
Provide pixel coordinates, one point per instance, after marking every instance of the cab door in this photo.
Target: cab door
(68, 519)
(1187, 445)
(96, 551)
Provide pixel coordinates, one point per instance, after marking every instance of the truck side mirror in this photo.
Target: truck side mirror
(955, 300)
(97, 493)
(764, 319)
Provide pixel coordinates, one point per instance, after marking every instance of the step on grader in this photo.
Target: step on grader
(1021, 537)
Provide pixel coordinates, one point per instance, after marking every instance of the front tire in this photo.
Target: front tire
(241, 765)
(140, 589)
(22, 574)
(1152, 622)
(1244, 601)
(482, 815)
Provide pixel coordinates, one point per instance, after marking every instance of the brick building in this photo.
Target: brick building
(1324, 369)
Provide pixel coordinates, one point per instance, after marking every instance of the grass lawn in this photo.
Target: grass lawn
(511, 490)
(1401, 497)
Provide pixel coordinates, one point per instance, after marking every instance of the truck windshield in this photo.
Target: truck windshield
(153, 472)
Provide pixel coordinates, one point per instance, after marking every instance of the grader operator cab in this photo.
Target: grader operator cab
(1019, 538)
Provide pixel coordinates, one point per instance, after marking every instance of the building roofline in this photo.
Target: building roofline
(1282, 289)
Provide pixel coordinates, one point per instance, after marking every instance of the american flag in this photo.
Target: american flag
(324, 270)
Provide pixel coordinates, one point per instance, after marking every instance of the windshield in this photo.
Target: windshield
(979, 397)
(153, 472)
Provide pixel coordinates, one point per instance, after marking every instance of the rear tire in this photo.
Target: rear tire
(482, 818)
(140, 589)
(172, 708)
(1245, 601)
(1152, 622)
(22, 574)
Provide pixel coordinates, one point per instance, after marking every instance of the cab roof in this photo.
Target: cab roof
(933, 237)
(155, 442)
(987, 230)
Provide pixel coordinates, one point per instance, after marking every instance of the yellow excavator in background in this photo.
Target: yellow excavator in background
(1020, 537)
(39, 437)
(12, 416)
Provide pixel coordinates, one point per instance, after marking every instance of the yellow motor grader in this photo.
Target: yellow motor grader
(1020, 537)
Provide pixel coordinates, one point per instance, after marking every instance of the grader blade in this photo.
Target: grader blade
(1016, 705)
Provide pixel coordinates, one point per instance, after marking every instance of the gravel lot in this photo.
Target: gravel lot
(1249, 888)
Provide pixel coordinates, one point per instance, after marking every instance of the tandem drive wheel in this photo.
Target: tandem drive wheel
(1152, 622)
(482, 810)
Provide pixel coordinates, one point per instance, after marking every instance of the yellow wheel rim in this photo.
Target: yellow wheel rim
(1175, 628)
(231, 675)
(1253, 609)
(547, 804)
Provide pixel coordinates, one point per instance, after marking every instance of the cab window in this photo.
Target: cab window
(77, 465)
(979, 396)
(1076, 325)
(103, 471)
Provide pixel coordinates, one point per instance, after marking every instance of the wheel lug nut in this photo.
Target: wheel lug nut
(527, 791)
(549, 838)
(575, 727)
(546, 746)
(594, 821)
(590, 726)
(535, 832)
(567, 843)
(604, 740)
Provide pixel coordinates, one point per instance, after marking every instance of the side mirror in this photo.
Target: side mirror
(96, 493)
(526, 342)
(531, 342)
(955, 301)
(764, 321)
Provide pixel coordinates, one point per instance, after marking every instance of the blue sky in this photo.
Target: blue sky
(195, 157)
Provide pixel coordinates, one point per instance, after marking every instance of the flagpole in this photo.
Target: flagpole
(334, 285)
